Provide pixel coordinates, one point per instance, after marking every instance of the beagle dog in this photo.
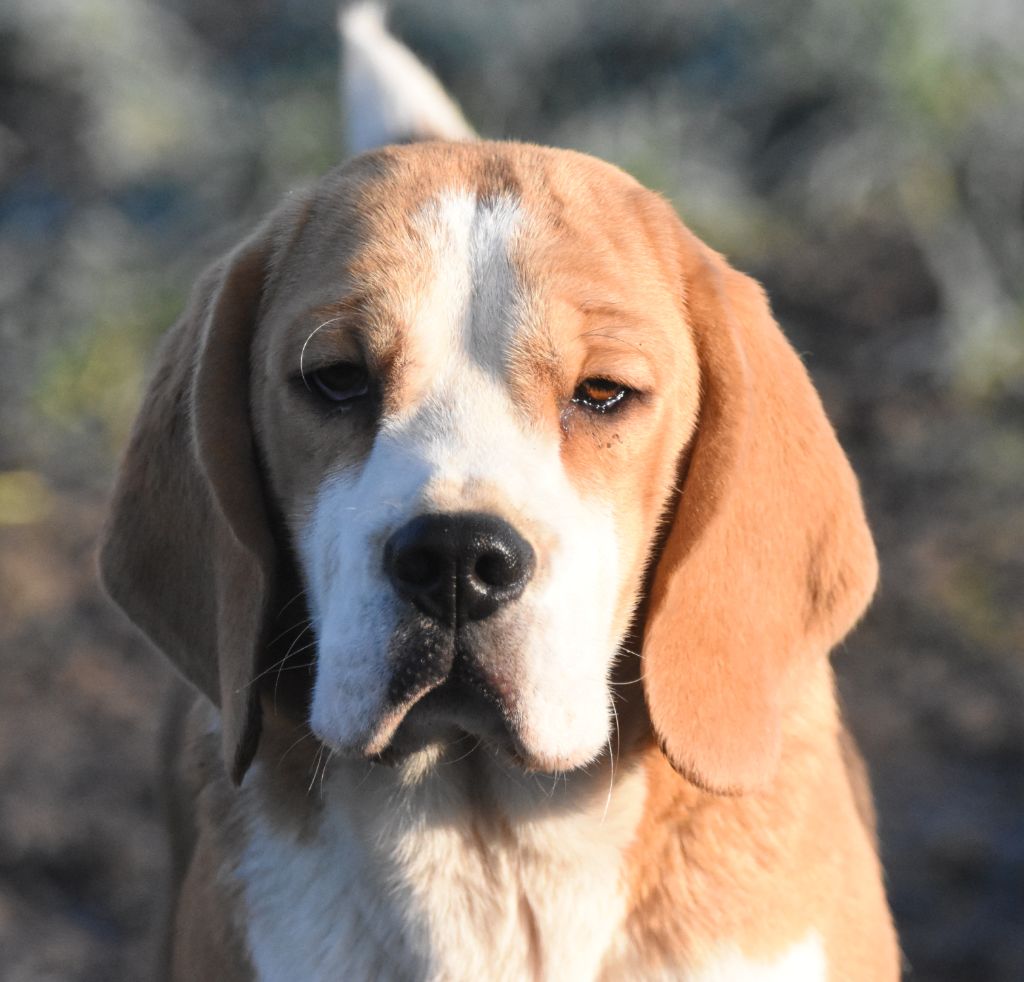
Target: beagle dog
(504, 538)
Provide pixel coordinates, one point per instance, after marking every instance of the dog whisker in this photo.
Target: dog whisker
(288, 654)
(304, 624)
(369, 770)
(467, 753)
(305, 736)
(635, 681)
(288, 603)
(302, 353)
(284, 667)
(316, 767)
(611, 759)
(323, 772)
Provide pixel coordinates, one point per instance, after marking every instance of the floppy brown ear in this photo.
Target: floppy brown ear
(187, 551)
(768, 561)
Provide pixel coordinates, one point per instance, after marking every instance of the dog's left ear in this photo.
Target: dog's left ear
(768, 561)
(187, 551)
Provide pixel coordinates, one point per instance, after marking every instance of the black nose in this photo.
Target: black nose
(459, 567)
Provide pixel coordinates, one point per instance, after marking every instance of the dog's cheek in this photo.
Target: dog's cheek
(572, 640)
(350, 610)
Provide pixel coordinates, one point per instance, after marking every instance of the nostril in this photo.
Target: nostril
(495, 568)
(416, 567)
(421, 560)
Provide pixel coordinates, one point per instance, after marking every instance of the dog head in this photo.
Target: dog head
(498, 407)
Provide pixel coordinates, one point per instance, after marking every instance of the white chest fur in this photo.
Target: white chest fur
(460, 870)
(450, 871)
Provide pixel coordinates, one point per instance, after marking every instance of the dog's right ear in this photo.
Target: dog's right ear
(187, 551)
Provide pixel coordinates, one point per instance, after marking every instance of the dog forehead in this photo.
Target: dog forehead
(365, 222)
(512, 256)
(397, 180)
(474, 299)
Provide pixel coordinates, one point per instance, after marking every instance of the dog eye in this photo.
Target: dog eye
(341, 383)
(599, 395)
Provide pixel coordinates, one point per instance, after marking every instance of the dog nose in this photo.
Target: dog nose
(458, 567)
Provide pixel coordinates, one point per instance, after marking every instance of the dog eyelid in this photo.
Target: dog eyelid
(340, 383)
(601, 395)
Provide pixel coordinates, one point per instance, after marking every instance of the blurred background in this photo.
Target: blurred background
(864, 159)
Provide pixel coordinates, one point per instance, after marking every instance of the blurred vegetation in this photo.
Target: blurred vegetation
(865, 159)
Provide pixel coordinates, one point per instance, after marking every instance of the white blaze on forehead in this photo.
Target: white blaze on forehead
(473, 304)
(460, 443)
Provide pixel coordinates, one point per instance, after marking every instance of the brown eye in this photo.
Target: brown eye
(599, 395)
(341, 383)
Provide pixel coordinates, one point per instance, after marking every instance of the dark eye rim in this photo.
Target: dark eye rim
(319, 386)
(622, 395)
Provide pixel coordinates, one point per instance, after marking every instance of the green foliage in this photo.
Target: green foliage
(24, 498)
(92, 380)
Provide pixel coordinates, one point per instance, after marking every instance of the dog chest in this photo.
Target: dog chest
(417, 881)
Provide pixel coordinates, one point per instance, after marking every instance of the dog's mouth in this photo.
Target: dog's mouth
(453, 700)
(452, 713)
(453, 692)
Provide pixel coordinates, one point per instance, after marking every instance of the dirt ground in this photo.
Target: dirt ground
(81, 851)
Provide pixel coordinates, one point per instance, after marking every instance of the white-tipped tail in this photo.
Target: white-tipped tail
(387, 94)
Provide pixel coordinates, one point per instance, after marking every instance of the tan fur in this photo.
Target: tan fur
(730, 495)
(769, 561)
(796, 833)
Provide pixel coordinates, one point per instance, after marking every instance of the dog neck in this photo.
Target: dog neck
(457, 864)
(445, 866)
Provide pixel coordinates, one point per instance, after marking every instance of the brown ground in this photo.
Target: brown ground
(81, 846)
